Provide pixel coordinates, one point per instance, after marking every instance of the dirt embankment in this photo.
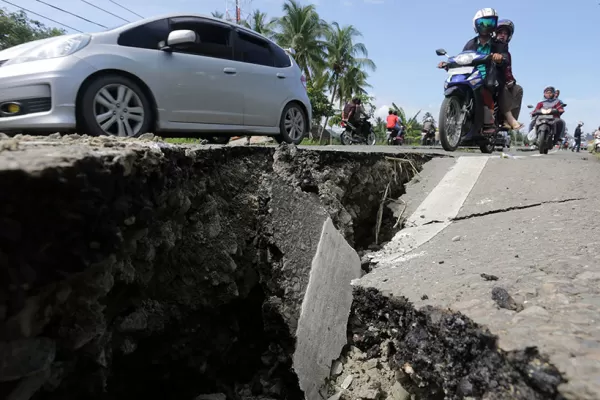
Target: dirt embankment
(135, 269)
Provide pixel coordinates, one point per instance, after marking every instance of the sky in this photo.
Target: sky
(551, 45)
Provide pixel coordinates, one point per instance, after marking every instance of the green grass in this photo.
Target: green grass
(182, 140)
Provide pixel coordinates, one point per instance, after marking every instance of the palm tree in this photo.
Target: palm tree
(345, 58)
(259, 23)
(218, 14)
(301, 28)
(428, 115)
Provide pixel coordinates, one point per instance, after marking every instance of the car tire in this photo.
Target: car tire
(293, 119)
(94, 106)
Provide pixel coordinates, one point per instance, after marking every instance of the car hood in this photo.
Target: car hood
(16, 51)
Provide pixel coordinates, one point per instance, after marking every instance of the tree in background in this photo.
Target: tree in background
(17, 28)
(218, 14)
(260, 23)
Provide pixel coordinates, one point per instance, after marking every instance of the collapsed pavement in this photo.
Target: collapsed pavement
(134, 268)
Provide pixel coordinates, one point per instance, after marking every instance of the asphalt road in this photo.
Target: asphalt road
(532, 222)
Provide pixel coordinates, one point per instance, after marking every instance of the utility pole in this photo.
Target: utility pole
(237, 12)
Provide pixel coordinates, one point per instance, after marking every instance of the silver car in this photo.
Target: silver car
(178, 74)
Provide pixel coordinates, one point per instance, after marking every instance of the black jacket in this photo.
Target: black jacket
(497, 47)
(577, 133)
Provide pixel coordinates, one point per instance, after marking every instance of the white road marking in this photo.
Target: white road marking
(438, 209)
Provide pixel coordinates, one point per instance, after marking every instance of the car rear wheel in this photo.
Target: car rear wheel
(293, 125)
(115, 105)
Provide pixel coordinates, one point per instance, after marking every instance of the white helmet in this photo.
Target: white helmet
(485, 21)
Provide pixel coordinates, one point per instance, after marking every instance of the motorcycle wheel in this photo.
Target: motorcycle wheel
(450, 130)
(542, 139)
(488, 146)
(371, 139)
(345, 138)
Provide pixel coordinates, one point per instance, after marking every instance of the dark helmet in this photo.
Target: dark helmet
(395, 112)
(356, 100)
(550, 89)
(508, 25)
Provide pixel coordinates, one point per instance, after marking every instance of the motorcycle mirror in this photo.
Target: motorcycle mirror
(529, 106)
(564, 104)
(440, 52)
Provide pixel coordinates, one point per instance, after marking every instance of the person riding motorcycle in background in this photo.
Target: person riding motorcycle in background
(393, 123)
(551, 101)
(512, 95)
(485, 22)
(352, 113)
(429, 129)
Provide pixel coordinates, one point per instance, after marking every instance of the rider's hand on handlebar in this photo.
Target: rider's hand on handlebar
(497, 58)
(442, 64)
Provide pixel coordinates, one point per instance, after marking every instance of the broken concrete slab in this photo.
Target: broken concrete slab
(321, 333)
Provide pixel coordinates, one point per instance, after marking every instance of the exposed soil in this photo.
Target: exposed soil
(433, 354)
(132, 269)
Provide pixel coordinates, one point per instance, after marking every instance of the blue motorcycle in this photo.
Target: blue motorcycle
(461, 119)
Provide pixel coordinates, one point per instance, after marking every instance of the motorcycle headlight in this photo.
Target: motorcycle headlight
(62, 46)
(546, 111)
(464, 59)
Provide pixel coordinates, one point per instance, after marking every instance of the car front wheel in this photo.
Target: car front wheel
(293, 125)
(115, 105)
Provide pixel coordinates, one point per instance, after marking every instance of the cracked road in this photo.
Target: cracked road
(532, 222)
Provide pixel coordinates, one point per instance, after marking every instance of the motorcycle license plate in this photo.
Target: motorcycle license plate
(460, 71)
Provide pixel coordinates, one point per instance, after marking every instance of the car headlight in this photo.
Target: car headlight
(464, 59)
(62, 46)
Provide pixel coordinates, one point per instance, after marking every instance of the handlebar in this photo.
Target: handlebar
(553, 111)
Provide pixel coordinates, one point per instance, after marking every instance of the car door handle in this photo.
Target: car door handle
(281, 76)
(230, 71)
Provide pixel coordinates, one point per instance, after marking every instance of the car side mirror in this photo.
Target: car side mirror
(291, 51)
(440, 52)
(179, 37)
(529, 106)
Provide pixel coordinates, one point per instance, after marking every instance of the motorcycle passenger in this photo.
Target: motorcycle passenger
(577, 136)
(393, 123)
(512, 95)
(485, 22)
(550, 101)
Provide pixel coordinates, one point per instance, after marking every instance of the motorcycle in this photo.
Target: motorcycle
(545, 120)
(428, 137)
(395, 139)
(350, 136)
(462, 111)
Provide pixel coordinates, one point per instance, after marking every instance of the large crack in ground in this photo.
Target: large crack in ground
(513, 208)
(133, 269)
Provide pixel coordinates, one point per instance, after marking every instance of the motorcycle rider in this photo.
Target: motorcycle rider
(429, 129)
(393, 123)
(551, 101)
(512, 95)
(485, 22)
(351, 115)
(577, 136)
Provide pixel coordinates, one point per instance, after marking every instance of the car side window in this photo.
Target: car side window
(145, 36)
(282, 59)
(254, 50)
(214, 39)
